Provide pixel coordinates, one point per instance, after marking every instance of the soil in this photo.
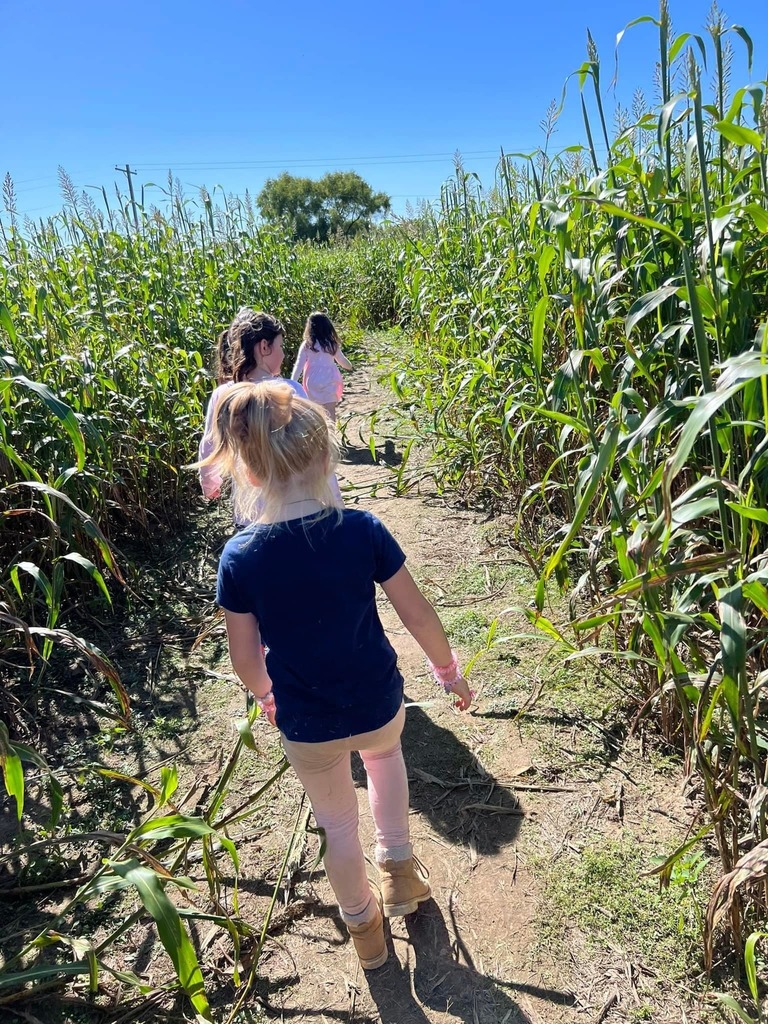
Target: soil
(497, 796)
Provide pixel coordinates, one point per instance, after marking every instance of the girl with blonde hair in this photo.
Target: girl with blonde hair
(302, 580)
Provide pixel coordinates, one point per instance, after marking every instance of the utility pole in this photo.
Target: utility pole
(129, 175)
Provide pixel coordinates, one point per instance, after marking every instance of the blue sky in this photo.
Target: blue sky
(233, 92)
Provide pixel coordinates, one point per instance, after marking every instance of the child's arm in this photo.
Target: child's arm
(341, 359)
(420, 619)
(247, 657)
(301, 359)
(210, 477)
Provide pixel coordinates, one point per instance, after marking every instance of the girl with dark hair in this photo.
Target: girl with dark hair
(319, 359)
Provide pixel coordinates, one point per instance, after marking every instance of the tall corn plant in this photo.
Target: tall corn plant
(596, 347)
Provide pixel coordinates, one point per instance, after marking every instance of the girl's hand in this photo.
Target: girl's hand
(450, 678)
(268, 707)
(460, 687)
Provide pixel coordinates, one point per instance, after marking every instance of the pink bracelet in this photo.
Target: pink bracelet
(447, 675)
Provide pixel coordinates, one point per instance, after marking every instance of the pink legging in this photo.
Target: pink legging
(326, 773)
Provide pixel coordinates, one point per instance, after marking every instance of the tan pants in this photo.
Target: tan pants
(326, 773)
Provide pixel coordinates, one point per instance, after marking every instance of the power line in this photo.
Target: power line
(242, 165)
(313, 161)
(234, 165)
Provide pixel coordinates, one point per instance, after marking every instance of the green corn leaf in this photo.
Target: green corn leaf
(704, 409)
(594, 621)
(61, 411)
(130, 979)
(243, 726)
(680, 42)
(169, 783)
(90, 568)
(545, 625)
(13, 773)
(181, 826)
(706, 721)
(171, 930)
(6, 322)
(600, 464)
(750, 965)
(741, 369)
(749, 511)
(43, 972)
(97, 658)
(558, 417)
(541, 590)
(131, 780)
(740, 136)
(539, 319)
(757, 593)
(759, 216)
(730, 1004)
(41, 580)
(647, 303)
(733, 645)
(733, 632)
(88, 523)
(545, 261)
(746, 38)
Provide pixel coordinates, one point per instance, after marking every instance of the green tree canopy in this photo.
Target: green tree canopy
(340, 203)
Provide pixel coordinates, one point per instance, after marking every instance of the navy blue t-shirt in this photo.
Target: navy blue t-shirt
(310, 583)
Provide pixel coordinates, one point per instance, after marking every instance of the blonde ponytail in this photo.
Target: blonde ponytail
(267, 438)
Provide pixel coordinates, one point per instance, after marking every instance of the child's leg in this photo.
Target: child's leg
(330, 410)
(403, 879)
(388, 788)
(325, 772)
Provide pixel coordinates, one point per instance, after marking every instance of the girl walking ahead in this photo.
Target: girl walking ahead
(302, 580)
(319, 359)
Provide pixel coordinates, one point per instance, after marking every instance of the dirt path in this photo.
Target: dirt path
(494, 804)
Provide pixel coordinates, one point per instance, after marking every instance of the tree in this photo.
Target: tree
(340, 203)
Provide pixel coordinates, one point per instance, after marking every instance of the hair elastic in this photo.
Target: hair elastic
(447, 675)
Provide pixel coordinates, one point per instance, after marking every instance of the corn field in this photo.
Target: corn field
(591, 338)
(107, 329)
(107, 357)
(589, 346)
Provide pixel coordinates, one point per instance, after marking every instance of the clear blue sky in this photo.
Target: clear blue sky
(232, 92)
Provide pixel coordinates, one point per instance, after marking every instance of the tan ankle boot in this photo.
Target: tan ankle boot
(369, 941)
(403, 886)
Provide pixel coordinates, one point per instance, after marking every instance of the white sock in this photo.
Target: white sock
(366, 914)
(404, 852)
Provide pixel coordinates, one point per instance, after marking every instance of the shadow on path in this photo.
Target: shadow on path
(433, 978)
(451, 789)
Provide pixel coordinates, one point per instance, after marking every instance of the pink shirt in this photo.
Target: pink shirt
(322, 377)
